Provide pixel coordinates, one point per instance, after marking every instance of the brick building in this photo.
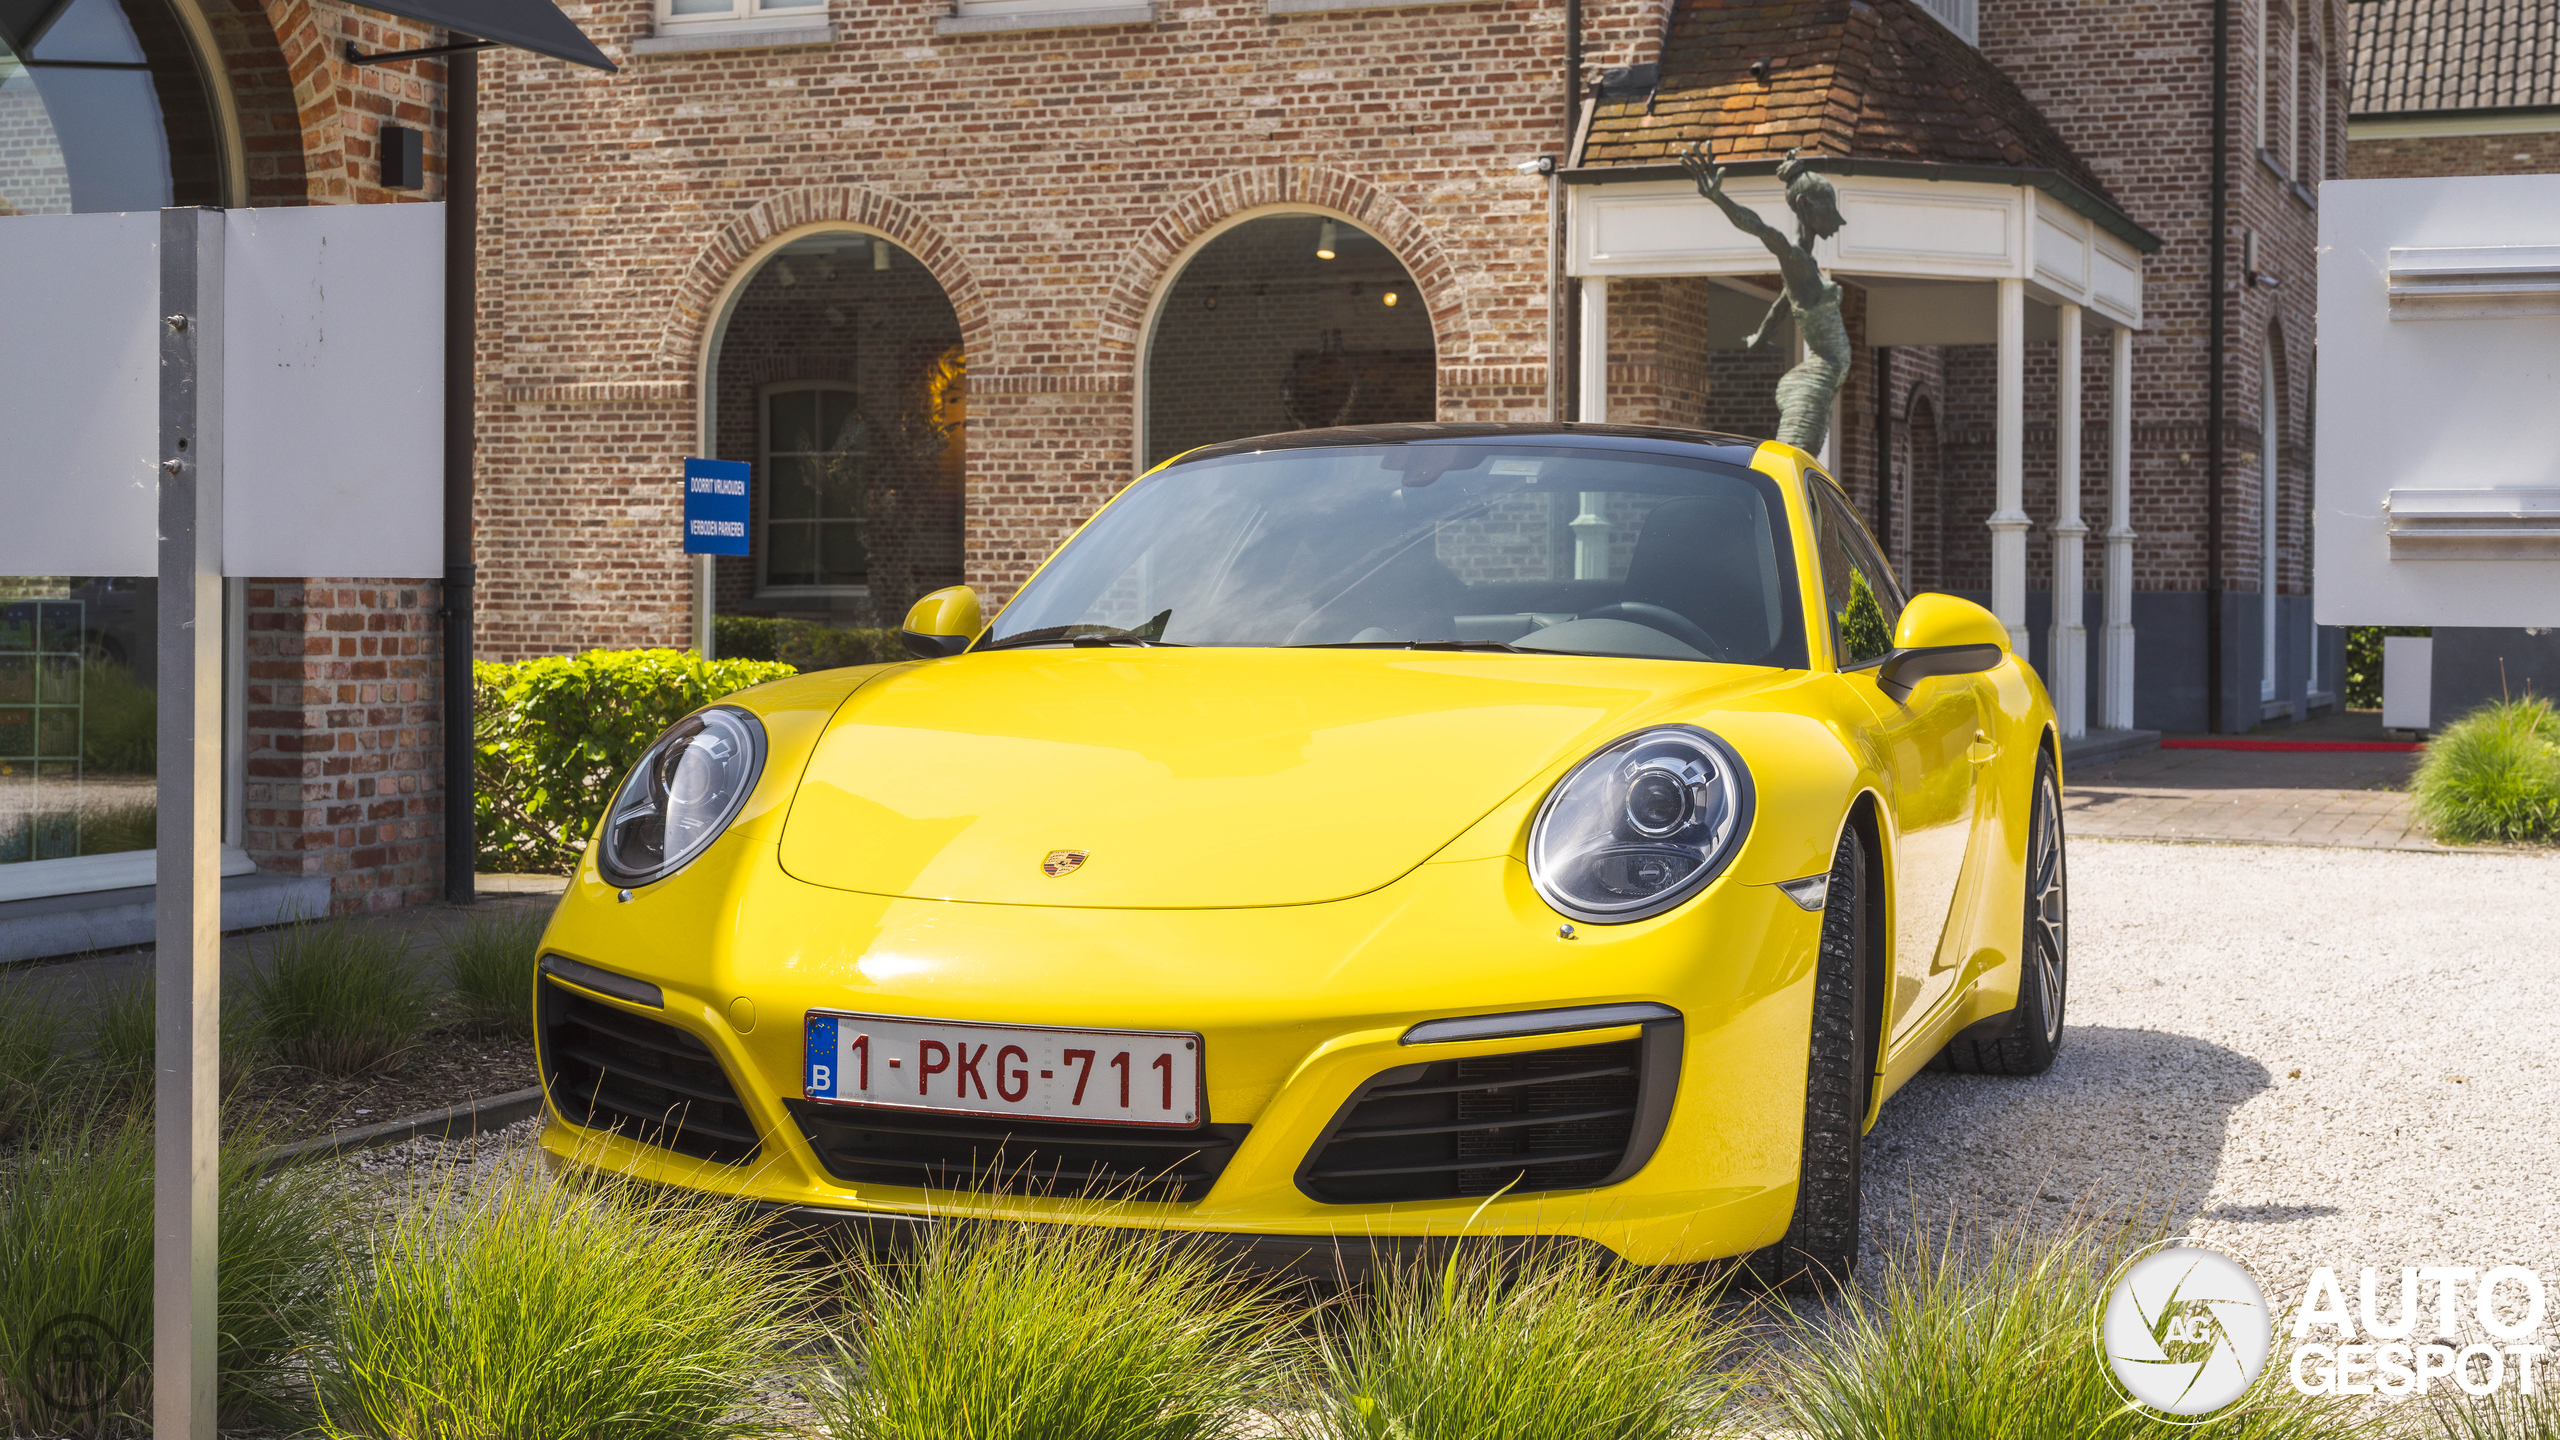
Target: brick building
(331, 783)
(1123, 207)
(2461, 87)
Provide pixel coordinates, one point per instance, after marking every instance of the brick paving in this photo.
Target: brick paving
(2258, 797)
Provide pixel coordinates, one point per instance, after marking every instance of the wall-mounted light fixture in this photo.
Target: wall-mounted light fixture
(404, 158)
(879, 254)
(1324, 241)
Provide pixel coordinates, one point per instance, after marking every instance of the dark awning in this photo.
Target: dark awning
(535, 25)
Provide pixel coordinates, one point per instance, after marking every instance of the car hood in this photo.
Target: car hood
(1195, 777)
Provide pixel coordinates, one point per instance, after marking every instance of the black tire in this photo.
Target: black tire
(1821, 1243)
(2034, 1033)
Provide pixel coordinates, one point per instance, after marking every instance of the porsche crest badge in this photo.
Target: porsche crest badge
(1062, 862)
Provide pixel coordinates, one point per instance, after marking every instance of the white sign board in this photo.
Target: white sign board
(332, 337)
(2437, 498)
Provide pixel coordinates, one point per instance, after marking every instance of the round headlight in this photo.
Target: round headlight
(681, 795)
(1640, 826)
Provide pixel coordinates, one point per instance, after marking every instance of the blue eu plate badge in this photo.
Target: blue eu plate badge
(715, 507)
(822, 1057)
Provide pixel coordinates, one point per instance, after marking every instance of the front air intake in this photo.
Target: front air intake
(1533, 1120)
(608, 1069)
(872, 1145)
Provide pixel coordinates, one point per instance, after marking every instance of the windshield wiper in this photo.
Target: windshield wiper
(1150, 634)
(1407, 645)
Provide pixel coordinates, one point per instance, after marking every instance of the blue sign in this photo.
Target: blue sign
(715, 507)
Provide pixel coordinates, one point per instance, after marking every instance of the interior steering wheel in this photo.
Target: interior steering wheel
(1654, 617)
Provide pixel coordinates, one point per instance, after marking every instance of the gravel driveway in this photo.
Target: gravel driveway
(2318, 1056)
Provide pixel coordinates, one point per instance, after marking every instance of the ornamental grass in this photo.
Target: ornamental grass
(489, 960)
(532, 1310)
(2507, 1414)
(2493, 775)
(1988, 1333)
(989, 1330)
(338, 996)
(1546, 1342)
(76, 1273)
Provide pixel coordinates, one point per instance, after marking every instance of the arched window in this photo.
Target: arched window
(103, 106)
(838, 374)
(1286, 322)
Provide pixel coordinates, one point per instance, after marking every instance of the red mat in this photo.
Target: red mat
(2238, 743)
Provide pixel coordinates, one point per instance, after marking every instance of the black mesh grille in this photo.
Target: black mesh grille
(863, 1146)
(1548, 1119)
(609, 1069)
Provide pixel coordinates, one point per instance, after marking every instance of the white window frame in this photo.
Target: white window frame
(973, 17)
(742, 23)
(765, 588)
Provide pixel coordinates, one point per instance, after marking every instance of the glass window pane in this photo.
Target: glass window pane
(840, 420)
(842, 552)
(791, 555)
(78, 719)
(795, 488)
(700, 7)
(793, 427)
(839, 481)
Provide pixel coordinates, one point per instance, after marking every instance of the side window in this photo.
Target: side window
(1863, 597)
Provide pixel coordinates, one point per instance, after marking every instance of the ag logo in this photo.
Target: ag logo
(77, 1363)
(1061, 862)
(2185, 1329)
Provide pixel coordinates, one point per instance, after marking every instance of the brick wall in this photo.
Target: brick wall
(344, 730)
(2382, 158)
(1051, 181)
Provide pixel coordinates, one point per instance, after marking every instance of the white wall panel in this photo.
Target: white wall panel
(334, 366)
(79, 394)
(2411, 405)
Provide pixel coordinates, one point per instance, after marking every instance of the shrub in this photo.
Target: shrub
(1545, 1343)
(75, 1239)
(1989, 1336)
(555, 736)
(337, 996)
(541, 1311)
(119, 721)
(124, 1029)
(2493, 775)
(489, 961)
(804, 644)
(999, 1331)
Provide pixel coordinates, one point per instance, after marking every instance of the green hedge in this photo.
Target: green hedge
(803, 644)
(555, 735)
(2364, 662)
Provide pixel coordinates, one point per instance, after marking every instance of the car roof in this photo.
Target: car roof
(1732, 449)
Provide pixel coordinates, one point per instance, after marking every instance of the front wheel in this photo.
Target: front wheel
(2034, 1035)
(1821, 1243)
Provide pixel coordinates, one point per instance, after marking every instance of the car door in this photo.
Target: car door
(1928, 744)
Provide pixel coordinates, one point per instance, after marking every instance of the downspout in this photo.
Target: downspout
(461, 303)
(1566, 356)
(2217, 243)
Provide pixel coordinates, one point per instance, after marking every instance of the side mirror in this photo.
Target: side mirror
(942, 623)
(1941, 635)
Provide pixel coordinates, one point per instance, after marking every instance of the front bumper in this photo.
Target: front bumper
(1301, 1010)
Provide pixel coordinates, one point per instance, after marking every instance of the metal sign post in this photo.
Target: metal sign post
(189, 896)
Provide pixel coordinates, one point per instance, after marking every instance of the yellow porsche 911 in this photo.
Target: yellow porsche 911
(1357, 834)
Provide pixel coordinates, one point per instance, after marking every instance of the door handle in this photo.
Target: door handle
(1982, 750)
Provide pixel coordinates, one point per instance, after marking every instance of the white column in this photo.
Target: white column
(2008, 522)
(2119, 634)
(1594, 407)
(2070, 641)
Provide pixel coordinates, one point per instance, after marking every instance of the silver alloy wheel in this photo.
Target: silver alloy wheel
(2049, 919)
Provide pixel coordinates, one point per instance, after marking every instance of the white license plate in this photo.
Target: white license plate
(1113, 1077)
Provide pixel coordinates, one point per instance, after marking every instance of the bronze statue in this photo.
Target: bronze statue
(1805, 392)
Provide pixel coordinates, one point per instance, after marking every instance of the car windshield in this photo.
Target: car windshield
(1472, 545)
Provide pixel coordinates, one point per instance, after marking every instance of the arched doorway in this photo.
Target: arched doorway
(1288, 321)
(104, 106)
(837, 373)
